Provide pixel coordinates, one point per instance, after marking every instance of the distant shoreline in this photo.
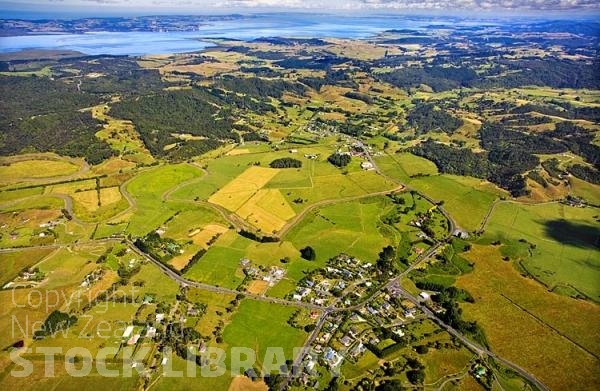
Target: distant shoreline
(105, 43)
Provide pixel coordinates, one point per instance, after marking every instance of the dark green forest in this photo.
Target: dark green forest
(44, 116)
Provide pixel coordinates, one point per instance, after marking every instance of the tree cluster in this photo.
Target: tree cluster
(428, 117)
(54, 323)
(510, 154)
(339, 159)
(286, 162)
(308, 253)
(259, 87)
(194, 112)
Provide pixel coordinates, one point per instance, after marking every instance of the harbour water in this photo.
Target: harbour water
(280, 25)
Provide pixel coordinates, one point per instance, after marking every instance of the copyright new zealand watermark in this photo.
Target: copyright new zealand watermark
(146, 346)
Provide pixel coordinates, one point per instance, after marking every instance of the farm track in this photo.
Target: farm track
(240, 224)
(482, 351)
(478, 349)
(130, 200)
(167, 194)
(453, 226)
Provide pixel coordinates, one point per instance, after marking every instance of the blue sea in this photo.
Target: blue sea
(114, 43)
(141, 43)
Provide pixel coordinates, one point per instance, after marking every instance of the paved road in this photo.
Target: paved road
(326, 310)
(130, 200)
(212, 288)
(306, 347)
(396, 281)
(332, 309)
(452, 224)
(480, 350)
(415, 264)
(473, 346)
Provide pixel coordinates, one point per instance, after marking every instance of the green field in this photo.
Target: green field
(21, 193)
(64, 270)
(148, 189)
(183, 173)
(523, 321)
(315, 181)
(191, 219)
(414, 165)
(253, 316)
(219, 266)
(565, 239)
(189, 380)
(13, 262)
(36, 169)
(39, 381)
(367, 361)
(467, 199)
(589, 192)
(349, 227)
(221, 263)
(155, 283)
(106, 230)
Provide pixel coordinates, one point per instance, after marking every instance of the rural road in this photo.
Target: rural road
(452, 223)
(326, 310)
(480, 350)
(471, 345)
(290, 224)
(306, 347)
(237, 222)
(309, 341)
(396, 282)
(212, 288)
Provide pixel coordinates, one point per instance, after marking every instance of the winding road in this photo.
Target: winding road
(478, 349)
(326, 311)
(212, 288)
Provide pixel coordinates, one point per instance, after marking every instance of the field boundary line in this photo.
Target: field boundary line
(540, 320)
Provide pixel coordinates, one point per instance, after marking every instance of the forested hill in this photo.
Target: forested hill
(45, 116)
(504, 74)
(493, 104)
